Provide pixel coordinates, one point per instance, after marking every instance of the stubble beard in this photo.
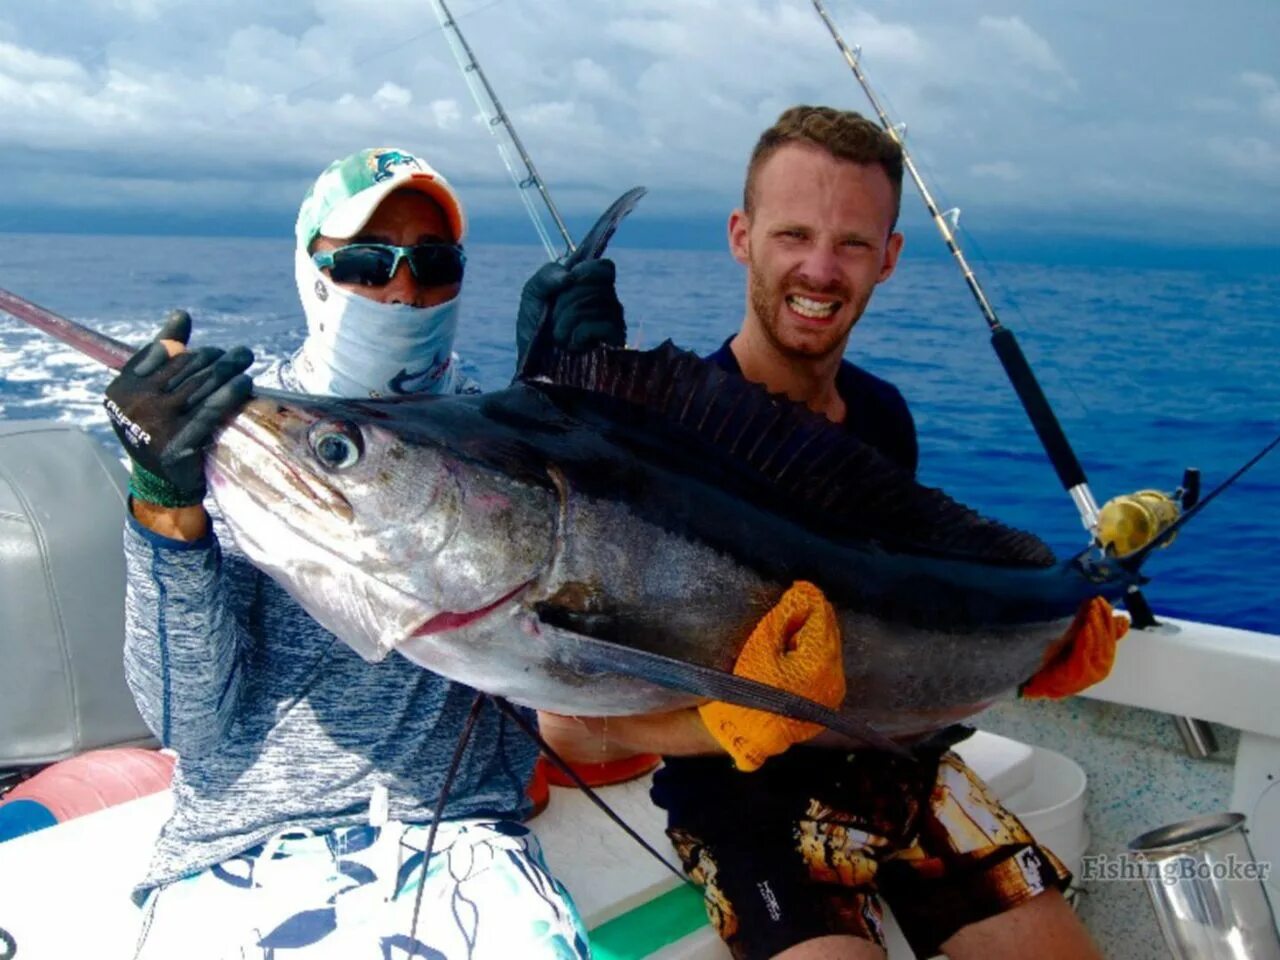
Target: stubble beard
(767, 303)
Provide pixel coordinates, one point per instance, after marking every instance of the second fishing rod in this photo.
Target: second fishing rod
(1112, 528)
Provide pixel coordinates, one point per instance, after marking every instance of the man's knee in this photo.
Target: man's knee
(1044, 924)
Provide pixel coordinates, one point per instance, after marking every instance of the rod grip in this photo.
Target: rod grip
(1037, 406)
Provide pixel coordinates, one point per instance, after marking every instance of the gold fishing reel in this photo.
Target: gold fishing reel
(1131, 521)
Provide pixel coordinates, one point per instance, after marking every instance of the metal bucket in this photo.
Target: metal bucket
(1207, 890)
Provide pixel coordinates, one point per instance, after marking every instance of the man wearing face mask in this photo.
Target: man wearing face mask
(306, 777)
(375, 328)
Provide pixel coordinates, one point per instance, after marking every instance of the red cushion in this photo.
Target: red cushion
(97, 780)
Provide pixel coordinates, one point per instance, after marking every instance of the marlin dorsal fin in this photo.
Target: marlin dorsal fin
(816, 468)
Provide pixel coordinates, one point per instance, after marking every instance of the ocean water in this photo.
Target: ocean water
(1150, 371)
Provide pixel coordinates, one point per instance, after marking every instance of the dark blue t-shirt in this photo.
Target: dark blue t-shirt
(875, 411)
(688, 788)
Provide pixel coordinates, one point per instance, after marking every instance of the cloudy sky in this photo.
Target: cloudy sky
(1140, 122)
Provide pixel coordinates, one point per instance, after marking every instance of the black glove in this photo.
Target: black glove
(585, 310)
(165, 409)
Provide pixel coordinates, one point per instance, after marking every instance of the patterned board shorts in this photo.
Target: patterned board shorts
(350, 893)
(809, 849)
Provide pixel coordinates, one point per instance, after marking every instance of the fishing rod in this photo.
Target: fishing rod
(510, 147)
(1006, 346)
(1150, 510)
(504, 132)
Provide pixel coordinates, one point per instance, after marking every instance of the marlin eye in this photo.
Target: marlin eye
(337, 444)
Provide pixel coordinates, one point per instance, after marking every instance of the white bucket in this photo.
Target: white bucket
(1052, 806)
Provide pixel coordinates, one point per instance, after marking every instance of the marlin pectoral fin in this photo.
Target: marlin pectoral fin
(609, 656)
(591, 247)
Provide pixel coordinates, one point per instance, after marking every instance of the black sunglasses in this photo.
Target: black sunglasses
(374, 264)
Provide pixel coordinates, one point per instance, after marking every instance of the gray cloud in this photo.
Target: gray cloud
(1129, 120)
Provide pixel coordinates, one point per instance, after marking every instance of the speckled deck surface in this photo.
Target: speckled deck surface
(1140, 777)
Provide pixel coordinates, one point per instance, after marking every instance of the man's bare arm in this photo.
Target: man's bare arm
(584, 739)
(177, 523)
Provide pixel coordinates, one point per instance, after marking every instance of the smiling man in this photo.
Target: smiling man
(816, 234)
(795, 856)
(794, 837)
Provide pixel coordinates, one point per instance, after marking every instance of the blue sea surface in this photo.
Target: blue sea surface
(1150, 371)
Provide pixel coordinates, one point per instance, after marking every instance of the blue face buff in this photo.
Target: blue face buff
(357, 347)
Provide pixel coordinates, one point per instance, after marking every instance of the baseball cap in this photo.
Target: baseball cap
(344, 197)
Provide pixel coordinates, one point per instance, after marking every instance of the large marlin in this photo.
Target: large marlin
(601, 538)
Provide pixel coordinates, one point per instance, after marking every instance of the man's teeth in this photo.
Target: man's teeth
(817, 309)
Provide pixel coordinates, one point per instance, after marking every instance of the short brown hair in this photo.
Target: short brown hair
(845, 134)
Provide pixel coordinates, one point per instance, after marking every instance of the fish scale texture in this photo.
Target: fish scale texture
(819, 470)
(277, 723)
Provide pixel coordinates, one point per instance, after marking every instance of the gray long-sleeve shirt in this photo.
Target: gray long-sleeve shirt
(279, 724)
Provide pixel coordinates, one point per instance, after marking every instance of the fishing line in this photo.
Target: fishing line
(504, 132)
(512, 150)
(369, 58)
(561, 765)
(1134, 560)
(463, 739)
(360, 62)
(930, 174)
(1012, 305)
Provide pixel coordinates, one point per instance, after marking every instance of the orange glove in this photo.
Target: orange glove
(1085, 658)
(795, 647)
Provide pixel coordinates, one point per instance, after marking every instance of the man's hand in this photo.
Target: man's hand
(165, 406)
(1087, 656)
(585, 310)
(795, 647)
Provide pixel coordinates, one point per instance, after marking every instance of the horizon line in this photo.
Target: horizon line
(1065, 247)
